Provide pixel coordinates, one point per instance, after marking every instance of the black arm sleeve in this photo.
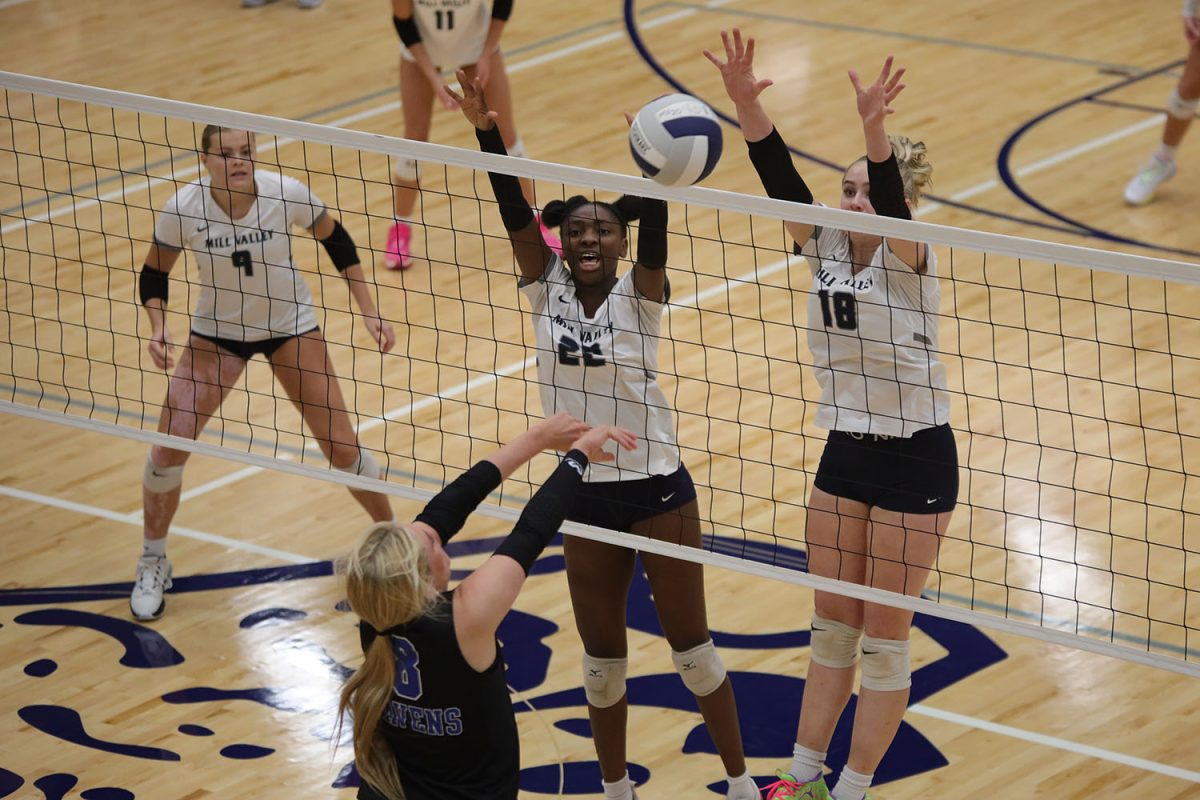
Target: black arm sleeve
(502, 9)
(544, 513)
(407, 28)
(887, 188)
(652, 234)
(448, 511)
(340, 248)
(514, 208)
(775, 169)
(153, 283)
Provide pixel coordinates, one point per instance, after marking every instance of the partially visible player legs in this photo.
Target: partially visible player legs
(678, 588)
(198, 387)
(1181, 110)
(303, 369)
(598, 578)
(499, 94)
(836, 539)
(416, 103)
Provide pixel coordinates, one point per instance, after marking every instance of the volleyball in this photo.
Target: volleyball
(676, 139)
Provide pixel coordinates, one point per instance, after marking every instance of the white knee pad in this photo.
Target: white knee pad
(885, 665)
(517, 149)
(604, 680)
(834, 644)
(161, 480)
(405, 168)
(364, 465)
(701, 668)
(1179, 108)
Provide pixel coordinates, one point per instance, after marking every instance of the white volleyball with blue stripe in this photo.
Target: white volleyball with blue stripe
(676, 140)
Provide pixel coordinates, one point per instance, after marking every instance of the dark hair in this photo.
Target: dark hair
(625, 208)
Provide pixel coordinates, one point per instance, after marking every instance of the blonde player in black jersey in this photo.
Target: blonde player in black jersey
(888, 477)
(597, 340)
(430, 706)
(237, 222)
(437, 35)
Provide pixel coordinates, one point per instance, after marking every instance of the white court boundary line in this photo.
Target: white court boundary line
(1054, 741)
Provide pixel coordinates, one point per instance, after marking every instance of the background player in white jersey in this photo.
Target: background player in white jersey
(433, 719)
(888, 476)
(1181, 109)
(597, 341)
(237, 222)
(437, 35)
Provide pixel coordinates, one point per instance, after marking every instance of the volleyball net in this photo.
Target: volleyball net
(1074, 373)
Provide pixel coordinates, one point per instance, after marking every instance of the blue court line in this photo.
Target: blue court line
(220, 437)
(1008, 175)
(907, 37)
(312, 116)
(636, 39)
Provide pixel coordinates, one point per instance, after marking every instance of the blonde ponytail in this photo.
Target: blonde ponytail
(388, 583)
(916, 172)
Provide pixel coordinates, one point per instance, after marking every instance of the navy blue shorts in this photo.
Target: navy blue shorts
(618, 505)
(247, 350)
(917, 475)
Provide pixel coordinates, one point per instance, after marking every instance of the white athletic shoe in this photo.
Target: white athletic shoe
(153, 578)
(1143, 186)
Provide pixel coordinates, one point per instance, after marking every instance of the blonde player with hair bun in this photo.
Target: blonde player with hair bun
(1181, 110)
(430, 707)
(888, 477)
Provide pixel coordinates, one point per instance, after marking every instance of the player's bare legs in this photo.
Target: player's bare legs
(416, 103)
(303, 369)
(199, 385)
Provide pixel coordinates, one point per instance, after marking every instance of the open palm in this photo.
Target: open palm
(875, 101)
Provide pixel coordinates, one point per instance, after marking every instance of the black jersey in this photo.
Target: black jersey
(451, 729)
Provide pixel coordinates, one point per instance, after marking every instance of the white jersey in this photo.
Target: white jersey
(603, 370)
(453, 31)
(874, 340)
(250, 289)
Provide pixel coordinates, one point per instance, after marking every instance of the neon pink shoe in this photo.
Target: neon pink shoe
(788, 788)
(397, 254)
(552, 241)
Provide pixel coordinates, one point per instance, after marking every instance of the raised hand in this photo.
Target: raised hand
(875, 101)
(592, 442)
(473, 103)
(737, 70)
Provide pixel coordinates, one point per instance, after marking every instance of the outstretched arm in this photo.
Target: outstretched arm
(487, 595)
(768, 152)
(529, 250)
(447, 512)
(886, 185)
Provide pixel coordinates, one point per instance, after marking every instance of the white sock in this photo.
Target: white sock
(807, 765)
(851, 785)
(621, 789)
(154, 547)
(742, 787)
(1166, 153)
